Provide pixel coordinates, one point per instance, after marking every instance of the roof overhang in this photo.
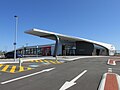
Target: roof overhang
(48, 35)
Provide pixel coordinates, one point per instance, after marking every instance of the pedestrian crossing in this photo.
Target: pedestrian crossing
(13, 68)
(48, 61)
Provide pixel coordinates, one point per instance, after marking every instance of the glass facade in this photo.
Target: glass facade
(66, 48)
(35, 51)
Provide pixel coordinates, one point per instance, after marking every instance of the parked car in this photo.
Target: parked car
(11, 55)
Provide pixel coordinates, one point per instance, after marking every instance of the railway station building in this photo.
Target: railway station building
(66, 46)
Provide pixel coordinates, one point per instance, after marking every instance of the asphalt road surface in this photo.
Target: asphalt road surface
(82, 74)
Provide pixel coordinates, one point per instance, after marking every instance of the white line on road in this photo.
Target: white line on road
(110, 70)
(29, 75)
(68, 84)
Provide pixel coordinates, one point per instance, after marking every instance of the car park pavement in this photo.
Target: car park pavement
(90, 73)
(84, 74)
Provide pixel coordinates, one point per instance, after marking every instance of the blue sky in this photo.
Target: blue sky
(97, 20)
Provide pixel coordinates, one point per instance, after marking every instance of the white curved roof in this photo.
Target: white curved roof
(45, 34)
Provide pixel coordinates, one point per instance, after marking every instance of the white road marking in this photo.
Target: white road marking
(68, 84)
(110, 70)
(29, 75)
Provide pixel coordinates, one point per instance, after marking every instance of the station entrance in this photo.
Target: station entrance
(68, 50)
(81, 48)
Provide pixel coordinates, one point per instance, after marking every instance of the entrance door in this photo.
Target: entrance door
(63, 50)
(97, 52)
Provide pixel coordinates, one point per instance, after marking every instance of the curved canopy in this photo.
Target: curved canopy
(47, 34)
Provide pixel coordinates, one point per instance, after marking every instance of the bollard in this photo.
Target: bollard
(56, 58)
(19, 62)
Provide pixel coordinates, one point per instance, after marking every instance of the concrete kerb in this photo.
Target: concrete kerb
(5, 61)
(29, 59)
(114, 63)
(72, 58)
(102, 83)
(9, 62)
(61, 58)
(118, 78)
(17, 61)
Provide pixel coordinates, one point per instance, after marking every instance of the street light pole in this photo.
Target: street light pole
(37, 50)
(15, 42)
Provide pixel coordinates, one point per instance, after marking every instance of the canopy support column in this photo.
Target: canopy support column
(56, 46)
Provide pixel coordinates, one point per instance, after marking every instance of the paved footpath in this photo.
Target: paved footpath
(65, 58)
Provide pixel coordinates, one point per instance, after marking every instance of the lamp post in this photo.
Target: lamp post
(15, 42)
(23, 51)
(37, 50)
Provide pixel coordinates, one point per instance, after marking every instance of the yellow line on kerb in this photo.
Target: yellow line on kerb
(13, 69)
(5, 68)
(58, 62)
(32, 60)
(52, 62)
(21, 68)
(1, 65)
(41, 60)
(36, 61)
(46, 61)
(29, 68)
